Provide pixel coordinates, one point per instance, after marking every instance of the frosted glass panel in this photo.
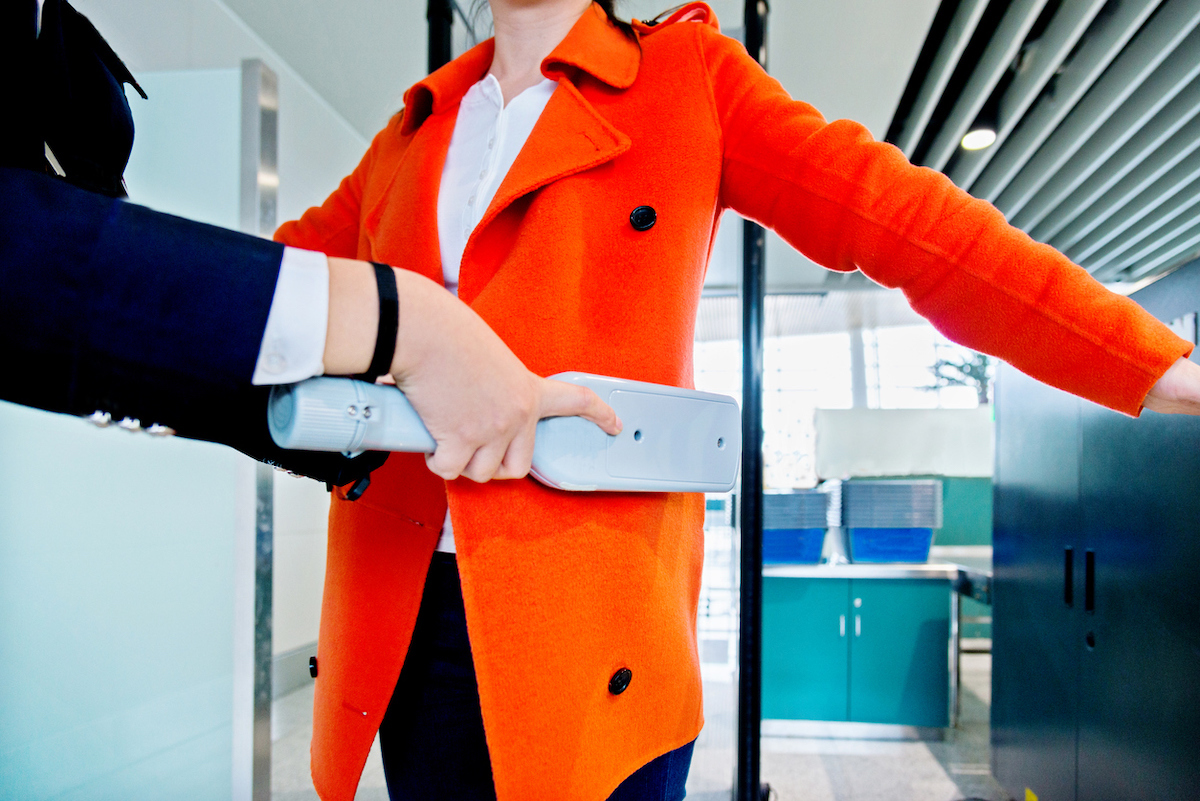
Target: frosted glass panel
(116, 611)
(187, 144)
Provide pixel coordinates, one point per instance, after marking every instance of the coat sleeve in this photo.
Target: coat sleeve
(849, 202)
(333, 227)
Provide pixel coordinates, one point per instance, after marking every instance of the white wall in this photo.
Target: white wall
(904, 442)
(301, 517)
(116, 612)
(192, 113)
(317, 146)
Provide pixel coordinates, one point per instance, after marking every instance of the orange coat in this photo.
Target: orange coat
(563, 589)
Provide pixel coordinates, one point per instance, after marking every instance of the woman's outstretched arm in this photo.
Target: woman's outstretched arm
(849, 202)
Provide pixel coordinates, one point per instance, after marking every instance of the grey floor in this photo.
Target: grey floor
(797, 769)
(291, 731)
(869, 770)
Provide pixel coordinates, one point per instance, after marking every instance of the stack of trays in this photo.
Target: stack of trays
(891, 521)
(794, 526)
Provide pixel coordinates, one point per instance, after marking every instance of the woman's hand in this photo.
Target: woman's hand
(1178, 391)
(476, 398)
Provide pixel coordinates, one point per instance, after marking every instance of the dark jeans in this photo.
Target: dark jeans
(432, 735)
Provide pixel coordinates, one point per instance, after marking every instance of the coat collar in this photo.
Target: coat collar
(594, 45)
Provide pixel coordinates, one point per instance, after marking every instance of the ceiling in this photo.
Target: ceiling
(1097, 115)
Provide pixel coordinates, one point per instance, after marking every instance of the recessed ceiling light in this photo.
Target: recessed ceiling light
(979, 138)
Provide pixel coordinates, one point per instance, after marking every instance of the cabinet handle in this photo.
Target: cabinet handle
(842, 625)
(858, 625)
(1069, 577)
(1089, 580)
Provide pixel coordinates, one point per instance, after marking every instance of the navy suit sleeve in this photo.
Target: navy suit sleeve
(109, 306)
(93, 285)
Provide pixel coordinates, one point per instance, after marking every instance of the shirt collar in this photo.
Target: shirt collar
(593, 45)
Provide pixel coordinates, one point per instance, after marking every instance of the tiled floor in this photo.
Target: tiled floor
(870, 770)
(797, 769)
(291, 731)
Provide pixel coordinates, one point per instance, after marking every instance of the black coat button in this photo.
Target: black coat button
(619, 681)
(312, 666)
(643, 218)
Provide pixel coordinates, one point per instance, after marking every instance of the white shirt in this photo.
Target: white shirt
(487, 138)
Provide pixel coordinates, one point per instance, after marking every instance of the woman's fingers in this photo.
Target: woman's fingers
(560, 399)
(1178, 391)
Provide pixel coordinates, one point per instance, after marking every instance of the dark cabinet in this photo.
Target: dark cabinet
(1096, 632)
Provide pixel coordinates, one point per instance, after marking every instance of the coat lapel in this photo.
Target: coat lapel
(570, 136)
(407, 206)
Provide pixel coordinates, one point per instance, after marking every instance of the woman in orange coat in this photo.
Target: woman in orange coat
(581, 608)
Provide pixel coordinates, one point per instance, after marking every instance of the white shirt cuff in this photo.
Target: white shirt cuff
(293, 344)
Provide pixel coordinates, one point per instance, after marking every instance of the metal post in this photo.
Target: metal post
(440, 15)
(252, 650)
(746, 776)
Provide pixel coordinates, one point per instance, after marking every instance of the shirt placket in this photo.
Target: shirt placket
(475, 205)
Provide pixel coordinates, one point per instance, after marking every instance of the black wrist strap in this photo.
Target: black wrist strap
(389, 322)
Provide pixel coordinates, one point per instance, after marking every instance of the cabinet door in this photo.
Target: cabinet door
(1035, 645)
(899, 652)
(805, 650)
(1139, 708)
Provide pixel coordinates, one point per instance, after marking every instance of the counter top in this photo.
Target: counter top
(967, 581)
(926, 570)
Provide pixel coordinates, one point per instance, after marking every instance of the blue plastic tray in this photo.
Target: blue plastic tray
(792, 546)
(890, 544)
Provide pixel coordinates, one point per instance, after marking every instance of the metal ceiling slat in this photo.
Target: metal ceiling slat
(962, 28)
(1179, 249)
(1157, 194)
(1068, 25)
(1001, 50)
(1107, 37)
(1160, 226)
(1149, 49)
(1166, 101)
(1114, 198)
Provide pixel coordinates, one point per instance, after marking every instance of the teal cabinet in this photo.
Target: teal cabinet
(806, 653)
(864, 650)
(900, 654)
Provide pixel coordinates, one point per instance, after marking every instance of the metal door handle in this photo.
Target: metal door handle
(1089, 580)
(858, 625)
(1069, 577)
(842, 625)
